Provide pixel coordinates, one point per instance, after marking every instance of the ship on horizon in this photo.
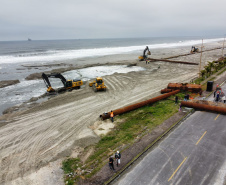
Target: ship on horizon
(29, 39)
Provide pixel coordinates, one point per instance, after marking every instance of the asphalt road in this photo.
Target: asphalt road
(194, 153)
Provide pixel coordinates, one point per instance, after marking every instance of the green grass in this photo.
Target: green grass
(70, 165)
(128, 127)
(201, 79)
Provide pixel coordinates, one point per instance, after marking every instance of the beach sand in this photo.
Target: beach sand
(34, 142)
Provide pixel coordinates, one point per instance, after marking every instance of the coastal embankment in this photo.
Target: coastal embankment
(34, 141)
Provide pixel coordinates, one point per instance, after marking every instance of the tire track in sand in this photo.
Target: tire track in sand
(36, 138)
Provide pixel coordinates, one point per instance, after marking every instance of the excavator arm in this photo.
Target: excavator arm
(146, 49)
(52, 75)
(57, 75)
(144, 56)
(47, 83)
(68, 84)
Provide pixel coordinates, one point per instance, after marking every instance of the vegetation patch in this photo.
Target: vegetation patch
(135, 125)
(210, 69)
(129, 127)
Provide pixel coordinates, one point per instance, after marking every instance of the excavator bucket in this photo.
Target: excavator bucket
(50, 89)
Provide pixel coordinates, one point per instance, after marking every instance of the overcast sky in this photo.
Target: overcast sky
(78, 19)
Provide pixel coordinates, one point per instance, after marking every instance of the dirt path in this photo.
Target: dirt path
(53, 129)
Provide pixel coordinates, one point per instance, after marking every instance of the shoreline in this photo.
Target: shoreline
(116, 59)
(56, 127)
(179, 56)
(33, 101)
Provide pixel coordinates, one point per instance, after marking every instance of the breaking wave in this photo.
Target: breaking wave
(60, 55)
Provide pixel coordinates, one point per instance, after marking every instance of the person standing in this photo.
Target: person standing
(188, 96)
(217, 98)
(117, 157)
(112, 116)
(185, 97)
(180, 107)
(176, 99)
(111, 163)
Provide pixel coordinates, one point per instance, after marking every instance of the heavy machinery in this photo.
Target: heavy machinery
(194, 49)
(68, 84)
(98, 84)
(142, 58)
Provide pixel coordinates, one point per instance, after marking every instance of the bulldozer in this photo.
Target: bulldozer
(68, 84)
(194, 49)
(142, 58)
(98, 84)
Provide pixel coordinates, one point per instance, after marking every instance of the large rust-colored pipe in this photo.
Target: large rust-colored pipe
(138, 105)
(192, 53)
(185, 87)
(163, 91)
(204, 107)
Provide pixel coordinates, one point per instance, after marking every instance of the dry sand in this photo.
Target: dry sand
(34, 143)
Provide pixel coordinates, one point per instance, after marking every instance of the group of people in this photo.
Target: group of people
(218, 97)
(147, 61)
(117, 158)
(219, 94)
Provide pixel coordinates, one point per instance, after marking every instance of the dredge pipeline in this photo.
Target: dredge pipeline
(193, 88)
(138, 105)
(172, 61)
(199, 106)
(193, 53)
(181, 62)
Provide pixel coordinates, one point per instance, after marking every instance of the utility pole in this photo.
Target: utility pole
(200, 59)
(223, 48)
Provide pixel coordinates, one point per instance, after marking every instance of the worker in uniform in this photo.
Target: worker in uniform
(112, 116)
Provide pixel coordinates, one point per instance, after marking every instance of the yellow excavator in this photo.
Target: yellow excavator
(194, 49)
(98, 84)
(142, 58)
(68, 84)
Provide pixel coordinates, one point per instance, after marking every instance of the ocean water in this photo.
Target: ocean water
(26, 89)
(61, 50)
(17, 56)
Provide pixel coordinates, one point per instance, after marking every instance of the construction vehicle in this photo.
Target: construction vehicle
(68, 84)
(194, 49)
(98, 84)
(142, 58)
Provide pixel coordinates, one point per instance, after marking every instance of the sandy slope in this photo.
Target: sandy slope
(51, 130)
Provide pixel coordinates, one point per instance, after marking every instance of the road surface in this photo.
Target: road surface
(194, 153)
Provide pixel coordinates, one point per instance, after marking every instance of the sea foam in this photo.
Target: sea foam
(61, 55)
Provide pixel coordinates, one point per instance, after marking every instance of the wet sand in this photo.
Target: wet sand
(35, 140)
(6, 83)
